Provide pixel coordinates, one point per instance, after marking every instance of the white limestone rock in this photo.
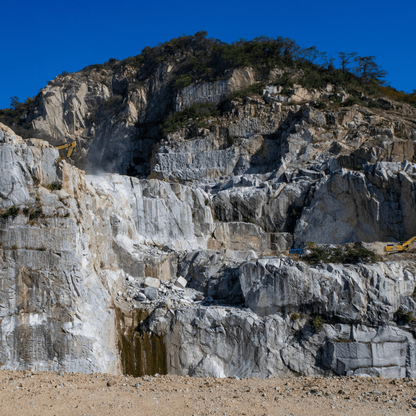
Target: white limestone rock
(181, 282)
(152, 282)
(369, 294)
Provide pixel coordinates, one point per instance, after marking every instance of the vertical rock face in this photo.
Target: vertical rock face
(114, 114)
(183, 266)
(49, 286)
(283, 286)
(76, 250)
(225, 342)
(214, 92)
(373, 206)
(67, 246)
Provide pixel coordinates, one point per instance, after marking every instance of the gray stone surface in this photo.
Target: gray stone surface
(150, 292)
(217, 208)
(375, 206)
(140, 297)
(214, 91)
(100, 237)
(369, 293)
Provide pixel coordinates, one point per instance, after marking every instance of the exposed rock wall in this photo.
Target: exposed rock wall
(223, 342)
(186, 269)
(67, 253)
(49, 283)
(273, 336)
(214, 92)
(108, 112)
(378, 205)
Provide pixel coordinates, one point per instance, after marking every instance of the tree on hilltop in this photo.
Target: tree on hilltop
(346, 58)
(367, 69)
(14, 102)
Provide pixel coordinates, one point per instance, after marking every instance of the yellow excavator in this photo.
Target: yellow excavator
(394, 248)
(70, 146)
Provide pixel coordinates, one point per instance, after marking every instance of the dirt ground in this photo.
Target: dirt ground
(27, 393)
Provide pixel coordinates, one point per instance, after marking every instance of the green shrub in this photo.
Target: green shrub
(285, 81)
(317, 323)
(314, 79)
(401, 316)
(295, 214)
(296, 316)
(355, 255)
(354, 100)
(321, 105)
(56, 186)
(398, 95)
(11, 212)
(318, 255)
(317, 77)
(36, 214)
(344, 255)
(336, 99)
(183, 81)
(260, 53)
(197, 113)
(254, 89)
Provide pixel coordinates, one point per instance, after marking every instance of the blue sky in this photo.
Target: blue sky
(41, 39)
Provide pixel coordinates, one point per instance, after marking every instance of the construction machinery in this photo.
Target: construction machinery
(69, 146)
(402, 246)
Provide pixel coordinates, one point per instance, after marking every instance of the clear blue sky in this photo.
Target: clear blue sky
(40, 39)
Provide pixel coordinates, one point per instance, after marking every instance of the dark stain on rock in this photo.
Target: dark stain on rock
(140, 353)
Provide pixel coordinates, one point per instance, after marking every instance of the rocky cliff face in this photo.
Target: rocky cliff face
(74, 262)
(183, 266)
(114, 114)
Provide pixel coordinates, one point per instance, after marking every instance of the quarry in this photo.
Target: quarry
(147, 253)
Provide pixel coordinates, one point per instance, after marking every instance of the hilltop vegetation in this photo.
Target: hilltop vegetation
(200, 59)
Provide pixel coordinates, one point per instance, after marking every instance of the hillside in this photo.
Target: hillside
(205, 163)
(119, 111)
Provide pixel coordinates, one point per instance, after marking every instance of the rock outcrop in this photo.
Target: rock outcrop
(78, 252)
(182, 265)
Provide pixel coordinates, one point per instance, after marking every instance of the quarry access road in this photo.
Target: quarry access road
(48, 394)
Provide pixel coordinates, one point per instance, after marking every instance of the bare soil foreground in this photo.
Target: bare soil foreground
(42, 393)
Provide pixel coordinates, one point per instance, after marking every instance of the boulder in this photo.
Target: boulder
(151, 293)
(181, 282)
(152, 282)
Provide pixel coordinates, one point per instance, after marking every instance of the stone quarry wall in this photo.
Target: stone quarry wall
(186, 270)
(74, 262)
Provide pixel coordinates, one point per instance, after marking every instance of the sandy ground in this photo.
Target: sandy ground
(26, 393)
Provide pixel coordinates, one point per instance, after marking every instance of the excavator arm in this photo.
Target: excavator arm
(71, 147)
(408, 242)
(394, 248)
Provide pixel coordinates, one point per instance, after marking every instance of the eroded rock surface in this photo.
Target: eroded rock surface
(184, 264)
